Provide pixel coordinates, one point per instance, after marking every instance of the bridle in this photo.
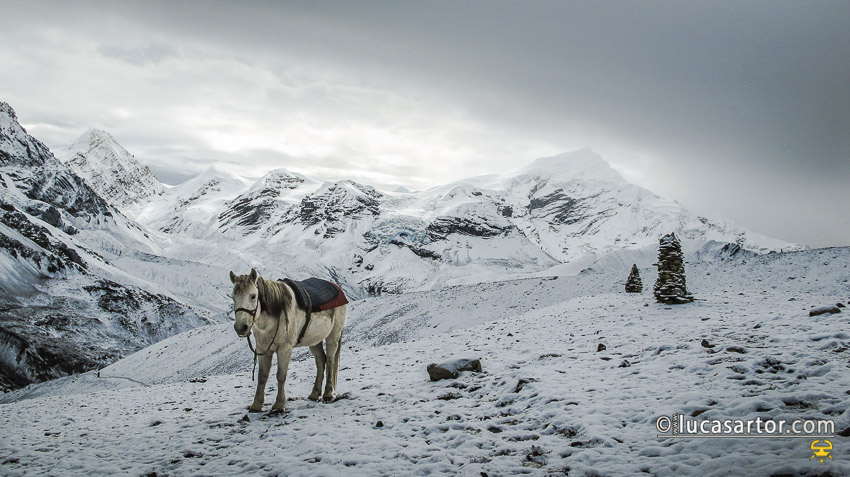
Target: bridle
(248, 336)
(246, 310)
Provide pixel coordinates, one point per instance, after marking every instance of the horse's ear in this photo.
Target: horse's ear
(253, 276)
(232, 277)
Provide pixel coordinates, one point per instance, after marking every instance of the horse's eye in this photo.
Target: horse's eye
(253, 296)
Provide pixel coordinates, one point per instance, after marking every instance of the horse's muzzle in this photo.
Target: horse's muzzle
(242, 330)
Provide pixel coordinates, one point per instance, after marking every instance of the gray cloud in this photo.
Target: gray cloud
(738, 108)
(138, 55)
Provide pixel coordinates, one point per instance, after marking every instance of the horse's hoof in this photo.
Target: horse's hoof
(313, 397)
(276, 411)
(328, 398)
(253, 408)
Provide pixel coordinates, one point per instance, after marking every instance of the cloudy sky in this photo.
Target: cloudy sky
(736, 109)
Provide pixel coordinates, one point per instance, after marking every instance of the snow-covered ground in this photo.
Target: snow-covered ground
(548, 402)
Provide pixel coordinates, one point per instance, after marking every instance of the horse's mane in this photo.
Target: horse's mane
(273, 296)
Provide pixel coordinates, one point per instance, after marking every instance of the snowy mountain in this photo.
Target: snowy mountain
(191, 207)
(110, 170)
(65, 307)
(553, 211)
(550, 212)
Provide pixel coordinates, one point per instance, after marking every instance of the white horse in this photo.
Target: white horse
(268, 308)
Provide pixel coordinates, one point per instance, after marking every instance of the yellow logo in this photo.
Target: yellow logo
(821, 451)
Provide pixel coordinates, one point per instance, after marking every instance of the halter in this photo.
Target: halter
(248, 336)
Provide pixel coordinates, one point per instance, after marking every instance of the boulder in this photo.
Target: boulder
(452, 369)
(820, 310)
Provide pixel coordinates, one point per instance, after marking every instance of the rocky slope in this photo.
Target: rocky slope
(64, 306)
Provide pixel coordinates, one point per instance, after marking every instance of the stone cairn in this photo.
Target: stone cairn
(633, 283)
(670, 287)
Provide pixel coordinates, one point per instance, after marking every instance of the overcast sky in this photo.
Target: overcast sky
(736, 109)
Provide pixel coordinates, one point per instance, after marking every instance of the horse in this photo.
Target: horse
(268, 308)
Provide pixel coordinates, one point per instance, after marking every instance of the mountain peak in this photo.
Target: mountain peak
(6, 110)
(584, 164)
(96, 134)
(110, 170)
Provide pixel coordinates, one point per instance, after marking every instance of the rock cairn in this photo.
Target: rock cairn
(670, 287)
(633, 283)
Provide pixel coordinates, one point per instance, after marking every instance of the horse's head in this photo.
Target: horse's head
(246, 301)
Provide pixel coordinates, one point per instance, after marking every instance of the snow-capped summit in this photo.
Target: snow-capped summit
(583, 164)
(265, 202)
(19, 147)
(193, 205)
(110, 170)
(34, 174)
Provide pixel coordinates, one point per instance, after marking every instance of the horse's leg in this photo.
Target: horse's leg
(333, 346)
(284, 354)
(319, 354)
(262, 377)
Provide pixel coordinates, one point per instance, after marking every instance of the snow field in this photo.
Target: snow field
(548, 401)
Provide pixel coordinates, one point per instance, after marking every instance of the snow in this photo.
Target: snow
(583, 164)
(546, 403)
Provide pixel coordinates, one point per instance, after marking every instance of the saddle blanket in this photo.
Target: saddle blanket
(323, 294)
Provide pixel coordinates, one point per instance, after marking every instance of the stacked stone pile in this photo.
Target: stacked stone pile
(670, 287)
(633, 283)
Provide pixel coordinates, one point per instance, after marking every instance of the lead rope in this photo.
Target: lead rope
(255, 357)
(251, 347)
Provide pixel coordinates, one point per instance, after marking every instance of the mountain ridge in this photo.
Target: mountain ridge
(547, 212)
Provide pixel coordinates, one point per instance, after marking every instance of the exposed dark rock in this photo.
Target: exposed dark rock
(601, 347)
(337, 201)
(65, 336)
(522, 382)
(442, 227)
(52, 217)
(254, 208)
(452, 369)
(731, 249)
(558, 208)
(820, 310)
(420, 251)
(54, 257)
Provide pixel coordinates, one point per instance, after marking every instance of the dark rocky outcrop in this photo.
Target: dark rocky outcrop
(442, 227)
(338, 201)
(254, 208)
